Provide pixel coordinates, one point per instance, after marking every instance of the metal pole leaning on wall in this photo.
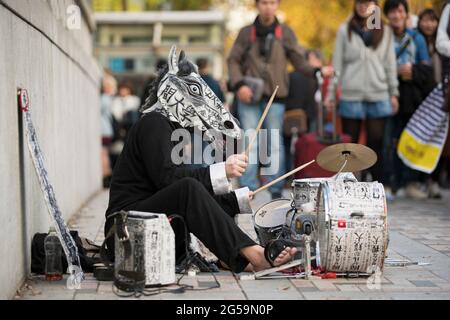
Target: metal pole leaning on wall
(67, 242)
(22, 189)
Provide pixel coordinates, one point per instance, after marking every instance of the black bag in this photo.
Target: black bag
(446, 82)
(88, 252)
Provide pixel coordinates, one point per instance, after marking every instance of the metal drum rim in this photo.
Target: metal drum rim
(256, 212)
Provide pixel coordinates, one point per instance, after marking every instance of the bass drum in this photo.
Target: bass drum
(269, 220)
(352, 226)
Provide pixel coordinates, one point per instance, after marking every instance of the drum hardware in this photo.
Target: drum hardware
(307, 255)
(334, 275)
(275, 276)
(300, 229)
(404, 263)
(260, 275)
(305, 262)
(337, 222)
(299, 223)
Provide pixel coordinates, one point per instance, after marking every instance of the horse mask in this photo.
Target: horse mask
(183, 96)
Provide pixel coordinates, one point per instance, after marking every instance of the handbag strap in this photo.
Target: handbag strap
(129, 281)
(119, 227)
(403, 48)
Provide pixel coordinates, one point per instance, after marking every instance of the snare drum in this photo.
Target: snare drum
(352, 226)
(306, 190)
(269, 220)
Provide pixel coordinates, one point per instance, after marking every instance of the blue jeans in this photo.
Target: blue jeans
(365, 109)
(250, 115)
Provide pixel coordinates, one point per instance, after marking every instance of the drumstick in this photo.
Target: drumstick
(283, 177)
(261, 121)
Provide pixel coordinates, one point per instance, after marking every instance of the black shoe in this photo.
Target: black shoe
(107, 182)
(274, 248)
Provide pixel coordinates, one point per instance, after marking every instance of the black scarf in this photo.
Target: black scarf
(265, 36)
(366, 36)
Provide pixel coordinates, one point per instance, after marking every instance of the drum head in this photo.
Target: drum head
(272, 214)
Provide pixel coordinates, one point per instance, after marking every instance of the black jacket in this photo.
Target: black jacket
(145, 166)
(412, 93)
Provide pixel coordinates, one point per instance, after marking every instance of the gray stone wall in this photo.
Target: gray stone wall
(40, 53)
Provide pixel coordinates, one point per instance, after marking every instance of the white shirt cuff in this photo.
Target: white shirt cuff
(243, 200)
(219, 180)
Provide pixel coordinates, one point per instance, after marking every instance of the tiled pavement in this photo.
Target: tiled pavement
(419, 231)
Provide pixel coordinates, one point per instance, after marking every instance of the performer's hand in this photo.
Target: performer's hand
(236, 165)
(251, 195)
(245, 94)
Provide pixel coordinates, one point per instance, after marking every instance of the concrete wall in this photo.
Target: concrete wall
(57, 68)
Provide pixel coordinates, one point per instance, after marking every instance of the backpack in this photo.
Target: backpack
(253, 37)
(88, 252)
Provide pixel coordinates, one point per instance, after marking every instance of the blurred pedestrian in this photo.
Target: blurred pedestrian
(257, 64)
(416, 82)
(427, 26)
(160, 64)
(124, 102)
(203, 70)
(302, 95)
(303, 88)
(109, 89)
(125, 108)
(125, 111)
(443, 47)
(364, 59)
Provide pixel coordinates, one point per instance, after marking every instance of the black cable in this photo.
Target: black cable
(190, 258)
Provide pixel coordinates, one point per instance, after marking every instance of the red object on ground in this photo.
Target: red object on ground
(329, 275)
(307, 148)
(293, 271)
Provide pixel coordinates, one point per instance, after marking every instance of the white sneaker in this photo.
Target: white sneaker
(401, 193)
(389, 194)
(414, 191)
(434, 191)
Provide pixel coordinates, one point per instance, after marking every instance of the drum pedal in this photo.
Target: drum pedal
(262, 274)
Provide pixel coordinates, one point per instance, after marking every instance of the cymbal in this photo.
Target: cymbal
(358, 157)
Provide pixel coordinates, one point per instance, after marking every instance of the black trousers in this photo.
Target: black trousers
(204, 217)
(375, 134)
